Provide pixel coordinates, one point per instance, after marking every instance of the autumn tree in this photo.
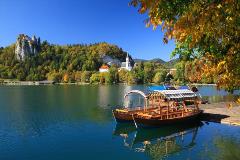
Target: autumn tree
(138, 74)
(208, 28)
(95, 78)
(85, 77)
(148, 72)
(160, 76)
(122, 75)
(77, 76)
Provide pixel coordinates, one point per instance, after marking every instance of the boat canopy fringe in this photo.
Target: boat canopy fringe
(180, 94)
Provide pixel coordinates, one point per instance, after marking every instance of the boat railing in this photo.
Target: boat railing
(167, 114)
(136, 108)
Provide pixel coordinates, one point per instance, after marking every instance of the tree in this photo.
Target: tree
(65, 78)
(159, 77)
(122, 75)
(209, 26)
(180, 72)
(95, 78)
(108, 78)
(86, 76)
(113, 75)
(138, 73)
(148, 72)
(131, 79)
(102, 77)
(77, 76)
(54, 76)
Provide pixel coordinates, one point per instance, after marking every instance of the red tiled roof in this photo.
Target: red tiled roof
(104, 67)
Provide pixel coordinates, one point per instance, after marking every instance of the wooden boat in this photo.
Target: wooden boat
(155, 102)
(181, 106)
(147, 120)
(125, 114)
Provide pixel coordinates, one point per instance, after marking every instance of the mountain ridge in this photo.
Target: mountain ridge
(169, 64)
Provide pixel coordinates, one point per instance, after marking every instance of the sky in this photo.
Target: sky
(82, 22)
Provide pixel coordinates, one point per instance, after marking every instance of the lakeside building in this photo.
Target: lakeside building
(126, 65)
(104, 68)
(16, 82)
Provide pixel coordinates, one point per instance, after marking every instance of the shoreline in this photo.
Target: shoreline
(222, 112)
(47, 82)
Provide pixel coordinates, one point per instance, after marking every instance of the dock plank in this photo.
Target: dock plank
(222, 112)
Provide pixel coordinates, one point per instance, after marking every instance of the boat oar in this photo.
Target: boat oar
(114, 116)
(134, 121)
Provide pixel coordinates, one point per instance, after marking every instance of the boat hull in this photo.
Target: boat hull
(127, 116)
(141, 122)
(123, 117)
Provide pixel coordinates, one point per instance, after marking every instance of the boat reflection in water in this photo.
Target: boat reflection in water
(158, 143)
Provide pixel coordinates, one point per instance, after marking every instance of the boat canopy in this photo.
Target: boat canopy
(166, 87)
(136, 92)
(157, 88)
(179, 94)
(183, 87)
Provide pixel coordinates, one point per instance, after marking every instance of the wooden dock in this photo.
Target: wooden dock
(223, 112)
(25, 83)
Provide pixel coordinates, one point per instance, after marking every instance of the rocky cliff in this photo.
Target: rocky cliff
(26, 46)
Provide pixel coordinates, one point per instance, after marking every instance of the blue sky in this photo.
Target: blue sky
(83, 21)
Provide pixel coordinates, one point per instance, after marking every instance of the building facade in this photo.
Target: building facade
(126, 65)
(103, 68)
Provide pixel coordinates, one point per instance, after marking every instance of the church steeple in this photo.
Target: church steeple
(127, 62)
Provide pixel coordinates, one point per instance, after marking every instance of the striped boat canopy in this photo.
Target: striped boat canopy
(179, 94)
(154, 88)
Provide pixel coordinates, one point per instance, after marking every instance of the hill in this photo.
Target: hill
(169, 64)
(55, 59)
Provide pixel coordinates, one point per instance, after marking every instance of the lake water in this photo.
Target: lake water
(75, 122)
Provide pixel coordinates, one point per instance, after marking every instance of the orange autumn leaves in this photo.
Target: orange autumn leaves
(211, 26)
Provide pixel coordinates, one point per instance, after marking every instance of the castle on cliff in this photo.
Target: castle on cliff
(26, 46)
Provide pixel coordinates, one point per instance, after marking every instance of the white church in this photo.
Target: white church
(126, 65)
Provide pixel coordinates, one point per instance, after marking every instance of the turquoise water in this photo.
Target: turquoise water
(75, 122)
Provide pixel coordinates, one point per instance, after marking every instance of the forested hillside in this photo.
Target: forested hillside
(55, 61)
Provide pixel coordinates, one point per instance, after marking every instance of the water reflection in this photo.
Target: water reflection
(226, 148)
(76, 122)
(222, 146)
(34, 110)
(158, 143)
(210, 93)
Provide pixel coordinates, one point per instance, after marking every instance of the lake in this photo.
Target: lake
(75, 122)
